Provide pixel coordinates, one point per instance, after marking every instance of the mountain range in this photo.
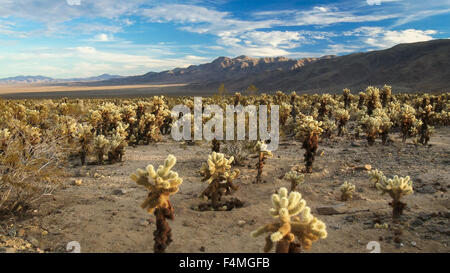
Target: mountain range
(413, 67)
(47, 80)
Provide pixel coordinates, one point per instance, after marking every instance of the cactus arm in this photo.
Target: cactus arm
(284, 229)
(264, 229)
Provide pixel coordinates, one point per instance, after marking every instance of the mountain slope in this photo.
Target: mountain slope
(423, 66)
(221, 69)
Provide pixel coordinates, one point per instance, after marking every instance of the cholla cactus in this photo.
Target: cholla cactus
(376, 176)
(341, 116)
(372, 127)
(295, 178)
(217, 172)
(306, 228)
(362, 98)
(165, 183)
(347, 190)
(328, 126)
(85, 137)
(264, 153)
(326, 102)
(308, 131)
(425, 130)
(372, 99)
(407, 118)
(347, 98)
(4, 138)
(397, 187)
(101, 146)
(385, 124)
(386, 95)
(117, 145)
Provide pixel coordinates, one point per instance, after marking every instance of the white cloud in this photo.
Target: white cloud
(51, 11)
(246, 37)
(282, 39)
(184, 13)
(127, 22)
(103, 37)
(378, 37)
(327, 15)
(73, 2)
(84, 61)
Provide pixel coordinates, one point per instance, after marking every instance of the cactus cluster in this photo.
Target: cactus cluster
(291, 233)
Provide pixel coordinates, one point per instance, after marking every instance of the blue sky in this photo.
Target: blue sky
(80, 38)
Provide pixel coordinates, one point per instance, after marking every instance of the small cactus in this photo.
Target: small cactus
(305, 228)
(397, 187)
(347, 190)
(217, 172)
(263, 153)
(295, 178)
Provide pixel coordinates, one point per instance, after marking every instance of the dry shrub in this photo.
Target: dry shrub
(28, 170)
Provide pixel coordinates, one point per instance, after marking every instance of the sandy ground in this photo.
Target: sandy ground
(104, 214)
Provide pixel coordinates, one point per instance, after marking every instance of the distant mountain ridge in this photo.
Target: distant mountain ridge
(413, 67)
(46, 80)
(421, 66)
(221, 69)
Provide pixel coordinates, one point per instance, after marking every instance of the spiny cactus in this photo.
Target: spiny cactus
(361, 101)
(385, 124)
(308, 131)
(407, 118)
(425, 130)
(217, 172)
(341, 116)
(397, 187)
(376, 176)
(165, 183)
(346, 97)
(263, 154)
(372, 99)
(85, 138)
(306, 228)
(385, 95)
(347, 190)
(295, 178)
(4, 138)
(117, 145)
(101, 146)
(372, 127)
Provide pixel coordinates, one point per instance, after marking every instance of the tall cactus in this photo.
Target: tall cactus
(165, 183)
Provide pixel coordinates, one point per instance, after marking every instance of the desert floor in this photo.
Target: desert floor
(103, 214)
